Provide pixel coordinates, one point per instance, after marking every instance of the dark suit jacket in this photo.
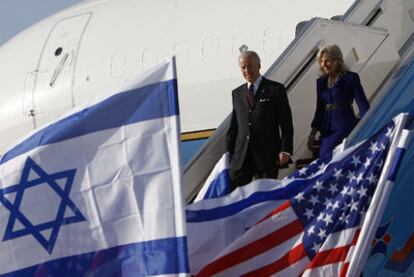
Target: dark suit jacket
(259, 128)
(342, 94)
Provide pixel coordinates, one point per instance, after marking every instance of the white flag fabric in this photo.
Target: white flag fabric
(98, 192)
(323, 228)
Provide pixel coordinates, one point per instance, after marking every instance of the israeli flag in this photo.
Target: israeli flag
(218, 182)
(98, 192)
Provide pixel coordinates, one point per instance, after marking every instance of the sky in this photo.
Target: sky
(17, 15)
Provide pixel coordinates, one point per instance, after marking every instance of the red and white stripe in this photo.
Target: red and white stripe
(334, 256)
(274, 247)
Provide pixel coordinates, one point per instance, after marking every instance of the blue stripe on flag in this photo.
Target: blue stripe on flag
(219, 186)
(164, 256)
(395, 164)
(140, 104)
(256, 198)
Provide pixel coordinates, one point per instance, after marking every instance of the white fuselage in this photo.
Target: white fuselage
(97, 45)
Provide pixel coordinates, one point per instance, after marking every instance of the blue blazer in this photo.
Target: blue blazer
(334, 110)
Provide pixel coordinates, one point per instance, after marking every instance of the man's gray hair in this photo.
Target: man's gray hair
(250, 53)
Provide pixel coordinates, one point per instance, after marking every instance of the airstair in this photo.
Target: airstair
(373, 36)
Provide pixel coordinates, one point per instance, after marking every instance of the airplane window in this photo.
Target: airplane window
(58, 51)
(209, 49)
(239, 39)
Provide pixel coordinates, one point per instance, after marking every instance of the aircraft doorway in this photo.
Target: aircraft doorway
(55, 73)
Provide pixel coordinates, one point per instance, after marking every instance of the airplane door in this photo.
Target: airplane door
(55, 73)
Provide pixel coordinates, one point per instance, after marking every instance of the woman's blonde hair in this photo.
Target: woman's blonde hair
(334, 53)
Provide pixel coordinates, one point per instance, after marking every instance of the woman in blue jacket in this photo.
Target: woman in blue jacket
(337, 89)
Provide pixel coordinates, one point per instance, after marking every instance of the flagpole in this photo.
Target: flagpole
(374, 213)
(175, 161)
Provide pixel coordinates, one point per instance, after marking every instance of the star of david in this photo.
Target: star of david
(30, 228)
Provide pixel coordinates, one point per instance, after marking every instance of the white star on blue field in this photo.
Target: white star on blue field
(31, 228)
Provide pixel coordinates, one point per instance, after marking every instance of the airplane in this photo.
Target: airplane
(97, 45)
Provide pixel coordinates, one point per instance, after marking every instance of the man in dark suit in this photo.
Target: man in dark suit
(260, 136)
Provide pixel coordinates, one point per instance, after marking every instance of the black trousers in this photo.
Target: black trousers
(249, 172)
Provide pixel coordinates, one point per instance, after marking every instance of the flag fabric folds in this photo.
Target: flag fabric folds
(218, 182)
(227, 218)
(323, 228)
(213, 224)
(99, 190)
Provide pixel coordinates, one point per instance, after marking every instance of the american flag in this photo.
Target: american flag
(315, 232)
